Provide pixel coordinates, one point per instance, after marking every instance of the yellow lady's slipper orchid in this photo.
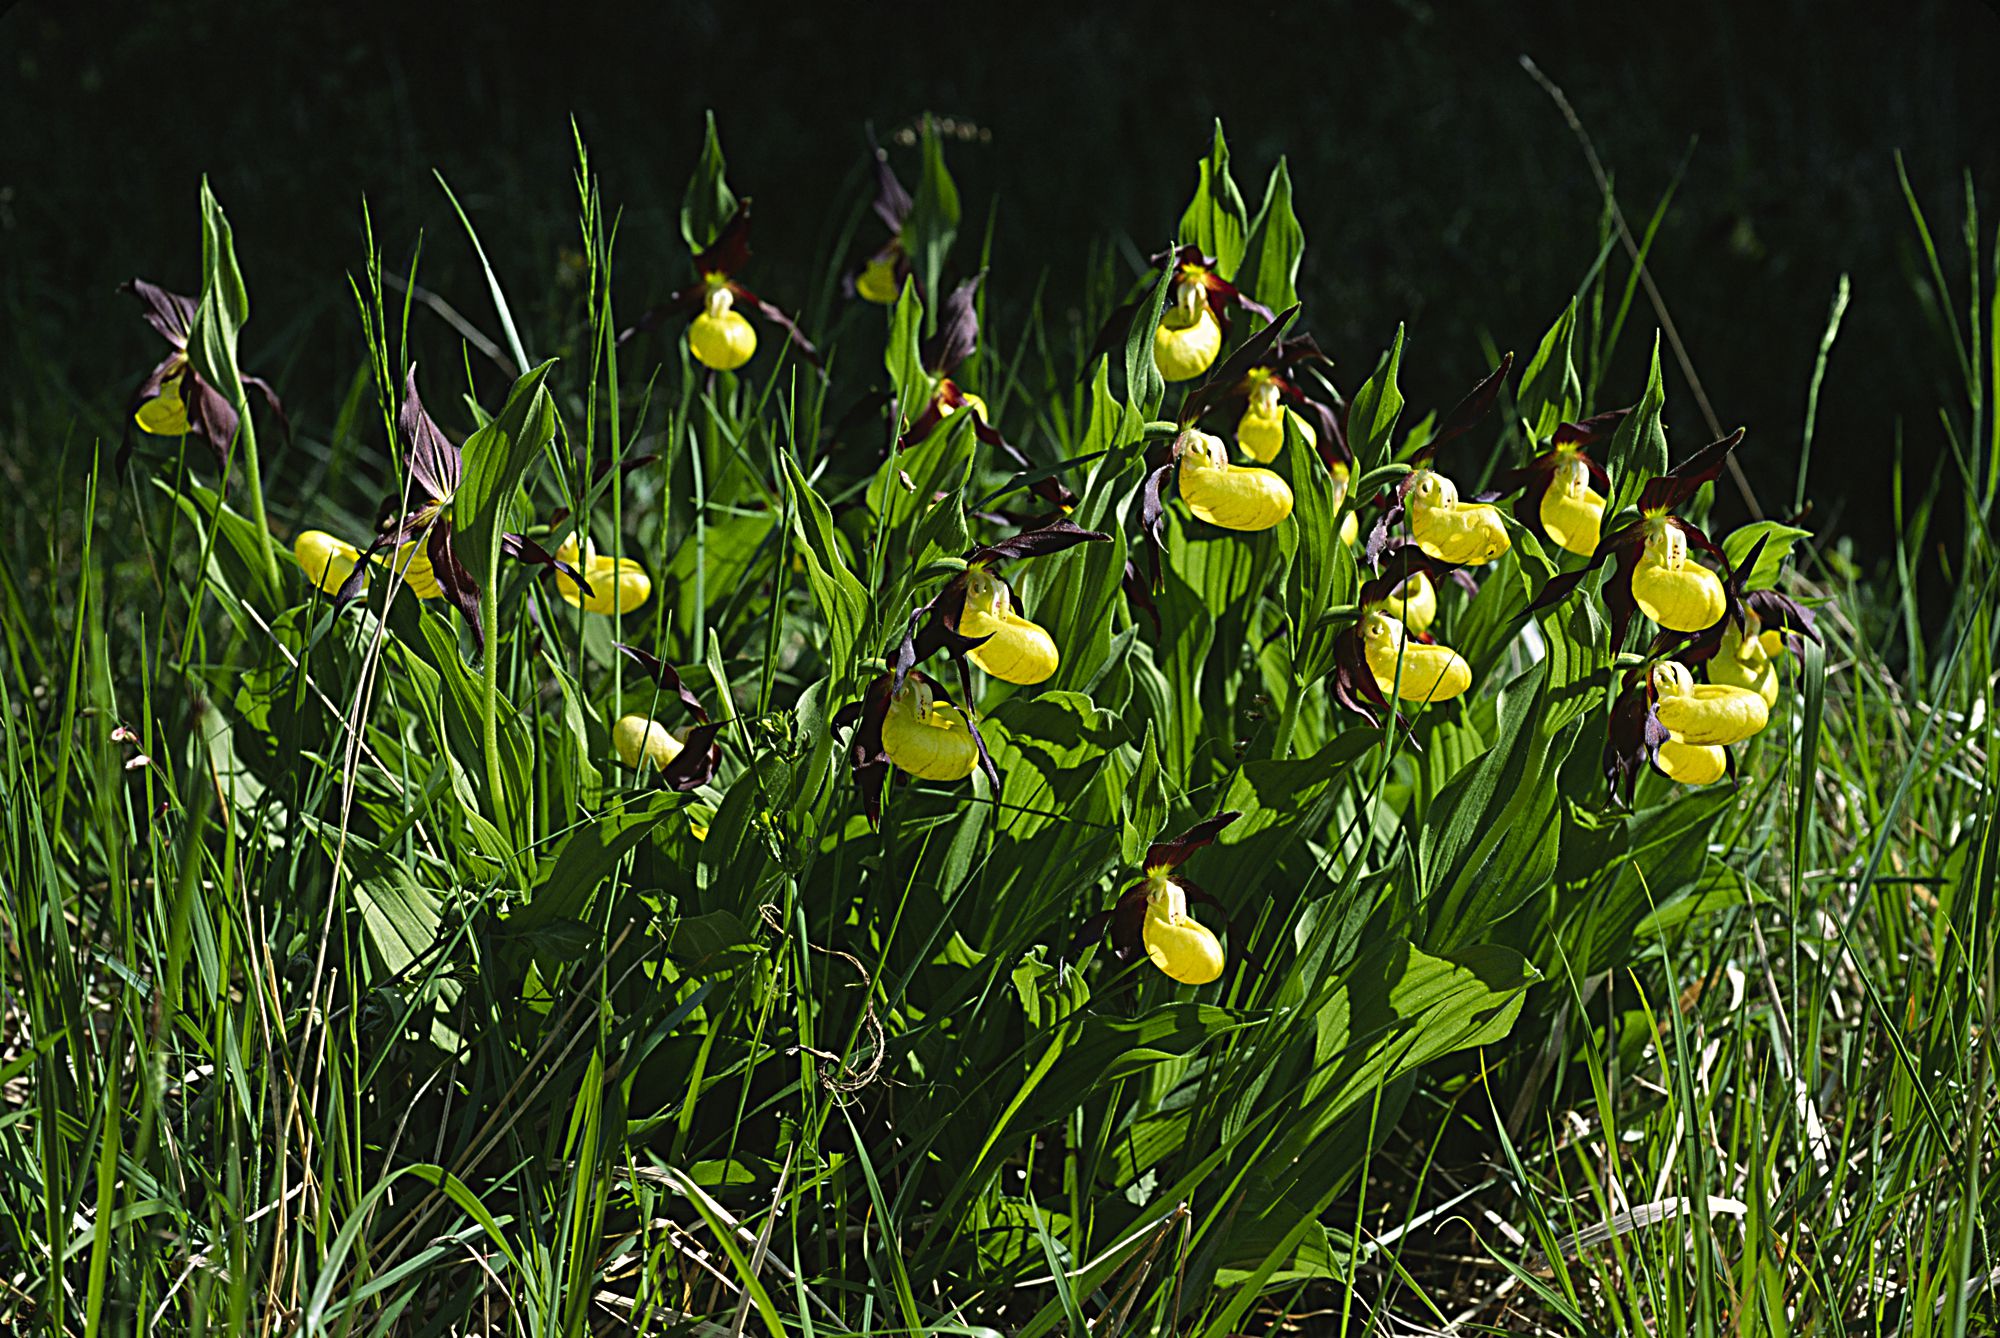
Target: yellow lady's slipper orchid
(1679, 594)
(415, 566)
(326, 561)
(1572, 512)
(720, 337)
(931, 740)
(1464, 534)
(1236, 497)
(1016, 650)
(1176, 942)
(174, 400)
(1414, 670)
(1691, 763)
(617, 584)
(1261, 429)
(643, 742)
(1704, 713)
(1744, 660)
(1414, 604)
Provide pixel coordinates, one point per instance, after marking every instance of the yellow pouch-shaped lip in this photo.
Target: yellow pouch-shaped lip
(326, 561)
(877, 283)
(930, 740)
(1745, 662)
(1692, 763)
(1706, 713)
(1572, 512)
(1683, 598)
(1176, 942)
(1415, 605)
(720, 338)
(164, 415)
(1464, 534)
(1426, 673)
(617, 584)
(1183, 352)
(414, 562)
(1236, 497)
(1016, 650)
(640, 740)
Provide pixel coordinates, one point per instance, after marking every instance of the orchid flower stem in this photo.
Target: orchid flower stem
(489, 702)
(1288, 721)
(253, 478)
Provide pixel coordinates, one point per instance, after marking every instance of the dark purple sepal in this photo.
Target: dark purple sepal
(1171, 853)
(665, 676)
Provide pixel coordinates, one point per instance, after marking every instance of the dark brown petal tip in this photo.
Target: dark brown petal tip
(1172, 853)
(665, 676)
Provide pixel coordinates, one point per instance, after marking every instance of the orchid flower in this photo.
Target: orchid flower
(423, 535)
(1152, 917)
(719, 336)
(174, 400)
(880, 278)
(974, 617)
(913, 726)
(685, 758)
(1558, 502)
(1460, 533)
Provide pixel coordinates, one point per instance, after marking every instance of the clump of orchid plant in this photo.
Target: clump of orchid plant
(720, 337)
(1152, 917)
(173, 400)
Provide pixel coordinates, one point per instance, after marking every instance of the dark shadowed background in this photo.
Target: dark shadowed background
(1436, 181)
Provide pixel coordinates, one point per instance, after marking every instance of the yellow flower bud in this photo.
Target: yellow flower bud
(617, 584)
(164, 415)
(1692, 763)
(642, 742)
(877, 282)
(1188, 337)
(1744, 661)
(1412, 670)
(931, 740)
(1235, 497)
(1572, 512)
(720, 337)
(1679, 594)
(1462, 533)
(1176, 942)
(1017, 651)
(414, 564)
(1708, 713)
(326, 561)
